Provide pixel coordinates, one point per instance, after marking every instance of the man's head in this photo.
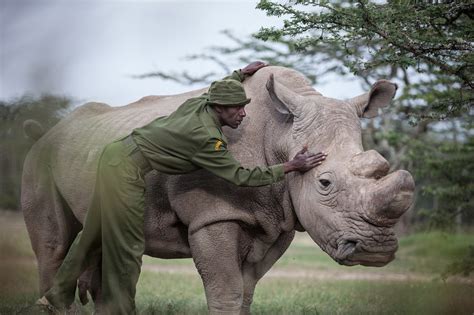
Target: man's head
(228, 99)
(231, 116)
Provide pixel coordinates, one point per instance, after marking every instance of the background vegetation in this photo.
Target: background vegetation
(14, 144)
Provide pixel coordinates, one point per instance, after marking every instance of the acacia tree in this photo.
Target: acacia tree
(433, 40)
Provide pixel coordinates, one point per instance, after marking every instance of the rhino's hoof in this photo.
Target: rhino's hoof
(42, 306)
(39, 309)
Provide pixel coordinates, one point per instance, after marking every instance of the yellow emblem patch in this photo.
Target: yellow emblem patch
(218, 146)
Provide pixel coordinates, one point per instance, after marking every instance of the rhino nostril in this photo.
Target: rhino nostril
(350, 243)
(346, 248)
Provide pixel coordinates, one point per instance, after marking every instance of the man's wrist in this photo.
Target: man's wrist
(288, 167)
(244, 75)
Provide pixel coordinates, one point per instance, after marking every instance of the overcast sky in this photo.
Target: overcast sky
(89, 49)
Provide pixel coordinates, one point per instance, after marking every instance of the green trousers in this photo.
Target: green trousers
(114, 228)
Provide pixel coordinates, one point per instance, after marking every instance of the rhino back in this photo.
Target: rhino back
(74, 145)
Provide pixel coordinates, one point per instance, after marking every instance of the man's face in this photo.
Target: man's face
(231, 116)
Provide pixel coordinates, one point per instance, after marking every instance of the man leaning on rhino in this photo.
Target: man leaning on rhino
(195, 203)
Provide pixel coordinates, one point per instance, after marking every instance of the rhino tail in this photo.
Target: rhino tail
(33, 129)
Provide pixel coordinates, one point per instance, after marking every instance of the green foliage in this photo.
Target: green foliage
(464, 266)
(446, 171)
(14, 145)
(390, 39)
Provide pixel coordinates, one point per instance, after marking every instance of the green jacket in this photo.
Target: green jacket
(191, 138)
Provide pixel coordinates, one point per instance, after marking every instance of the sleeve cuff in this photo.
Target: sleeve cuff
(238, 75)
(278, 172)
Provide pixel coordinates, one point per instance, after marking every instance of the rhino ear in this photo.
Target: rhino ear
(368, 104)
(286, 101)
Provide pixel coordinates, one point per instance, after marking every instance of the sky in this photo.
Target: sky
(91, 49)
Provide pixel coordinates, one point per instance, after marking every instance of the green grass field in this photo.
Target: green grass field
(304, 281)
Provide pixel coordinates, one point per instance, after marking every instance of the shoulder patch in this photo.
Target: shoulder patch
(220, 145)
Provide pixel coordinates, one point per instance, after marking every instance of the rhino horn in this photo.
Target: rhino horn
(369, 164)
(286, 101)
(368, 104)
(392, 198)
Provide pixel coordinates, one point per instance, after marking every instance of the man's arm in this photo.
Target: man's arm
(215, 158)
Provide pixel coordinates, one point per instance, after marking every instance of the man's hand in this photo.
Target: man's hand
(253, 67)
(304, 161)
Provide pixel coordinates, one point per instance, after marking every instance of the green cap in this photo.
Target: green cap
(227, 93)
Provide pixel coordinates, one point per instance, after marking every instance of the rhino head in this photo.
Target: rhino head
(350, 203)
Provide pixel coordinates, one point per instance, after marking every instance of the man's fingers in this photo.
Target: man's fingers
(316, 158)
(253, 67)
(311, 153)
(314, 161)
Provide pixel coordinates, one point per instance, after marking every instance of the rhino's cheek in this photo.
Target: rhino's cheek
(320, 225)
(317, 210)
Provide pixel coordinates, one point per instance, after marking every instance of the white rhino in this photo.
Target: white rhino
(348, 205)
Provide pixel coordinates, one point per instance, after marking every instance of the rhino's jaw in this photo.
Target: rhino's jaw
(353, 252)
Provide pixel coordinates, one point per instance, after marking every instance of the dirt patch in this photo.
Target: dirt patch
(322, 275)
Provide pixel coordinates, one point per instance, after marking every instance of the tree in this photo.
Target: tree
(47, 110)
(433, 40)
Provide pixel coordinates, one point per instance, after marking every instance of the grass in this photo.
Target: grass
(173, 293)
(176, 294)
(424, 253)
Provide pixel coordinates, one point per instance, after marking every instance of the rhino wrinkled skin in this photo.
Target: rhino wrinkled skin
(348, 205)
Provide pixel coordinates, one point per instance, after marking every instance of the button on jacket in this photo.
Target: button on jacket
(191, 138)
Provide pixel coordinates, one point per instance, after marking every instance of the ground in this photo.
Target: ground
(304, 281)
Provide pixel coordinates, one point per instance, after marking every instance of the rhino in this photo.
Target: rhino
(348, 205)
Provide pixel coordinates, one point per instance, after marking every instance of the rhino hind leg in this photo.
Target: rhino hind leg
(51, 224)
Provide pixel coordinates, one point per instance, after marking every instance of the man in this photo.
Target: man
(188, 139)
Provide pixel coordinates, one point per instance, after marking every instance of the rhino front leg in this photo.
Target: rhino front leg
(215, 250)
(252, 272)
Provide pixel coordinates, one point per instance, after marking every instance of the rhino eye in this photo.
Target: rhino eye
(325, 182)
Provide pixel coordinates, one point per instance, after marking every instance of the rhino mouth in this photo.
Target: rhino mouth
(350, 252)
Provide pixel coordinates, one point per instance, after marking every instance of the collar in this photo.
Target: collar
(212, 118)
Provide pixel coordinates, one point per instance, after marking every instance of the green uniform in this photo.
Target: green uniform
(192, 138)
(189, 139)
